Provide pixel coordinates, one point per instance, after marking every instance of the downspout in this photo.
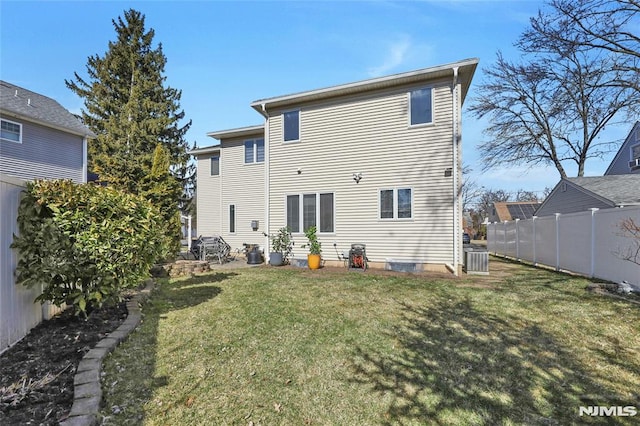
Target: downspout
(456, 196)
(267, 203)
(84, 160)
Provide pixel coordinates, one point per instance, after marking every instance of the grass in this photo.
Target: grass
(268, 346)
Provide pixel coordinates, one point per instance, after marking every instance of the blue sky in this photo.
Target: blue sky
(223, 55)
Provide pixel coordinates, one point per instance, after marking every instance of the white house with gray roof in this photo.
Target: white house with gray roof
(376, 162)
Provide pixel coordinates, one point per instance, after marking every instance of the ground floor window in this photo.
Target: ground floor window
(396, 203)
(306, 210)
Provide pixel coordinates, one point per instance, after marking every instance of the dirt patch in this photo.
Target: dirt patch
(36, 374)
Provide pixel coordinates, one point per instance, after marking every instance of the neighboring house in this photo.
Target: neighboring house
(39, 139)
(511, 210)
(375, 162)
(627, 160)
(583, 193)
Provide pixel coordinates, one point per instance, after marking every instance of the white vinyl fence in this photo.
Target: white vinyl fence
(18, 312)
(589, 243)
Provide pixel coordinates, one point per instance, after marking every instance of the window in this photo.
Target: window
(254, 151)
(291, 126)
(396, 203)
(11, 131)
(293, 213)
(635, 157)
(215, 165)
(232, 218)
(317, 210)
(421, 111)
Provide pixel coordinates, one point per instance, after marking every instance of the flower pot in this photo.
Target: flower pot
(276, 259)
(313, 261)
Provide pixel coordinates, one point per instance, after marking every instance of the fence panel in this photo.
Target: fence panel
(590, 243)
(574, 242)
(18, 312)
(611, 246)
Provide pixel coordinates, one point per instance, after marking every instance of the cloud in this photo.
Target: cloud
(395, 55)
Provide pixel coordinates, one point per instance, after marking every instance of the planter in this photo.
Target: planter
(276, 259)
(314, 260)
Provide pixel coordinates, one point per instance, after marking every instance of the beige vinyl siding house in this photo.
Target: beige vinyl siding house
(376, 162)
(230, 201)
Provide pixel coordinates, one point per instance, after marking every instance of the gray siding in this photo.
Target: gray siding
(44, 153)
(370, 135)
(569, 201)
(620, 163)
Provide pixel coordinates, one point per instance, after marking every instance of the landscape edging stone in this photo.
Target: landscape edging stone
(87, 394)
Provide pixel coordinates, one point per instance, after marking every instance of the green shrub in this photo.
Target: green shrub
(85, 243)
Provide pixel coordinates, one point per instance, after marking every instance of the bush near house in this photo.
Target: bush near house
(85, 243)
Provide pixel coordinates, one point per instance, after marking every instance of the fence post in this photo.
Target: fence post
(518, 239)
(592, 269)
(533, 239)
(557, 241)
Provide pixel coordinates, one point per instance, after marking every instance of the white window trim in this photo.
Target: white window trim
(20, 134)
(430, 123)
(395, 217)
(301, 211)
(219, 165)
(299, 126)
(255, 151)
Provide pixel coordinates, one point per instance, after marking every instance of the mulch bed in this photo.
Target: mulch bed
(36, 374)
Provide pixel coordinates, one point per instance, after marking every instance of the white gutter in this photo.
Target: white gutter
(457, 234)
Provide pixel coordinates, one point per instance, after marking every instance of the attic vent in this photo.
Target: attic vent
(563, 187)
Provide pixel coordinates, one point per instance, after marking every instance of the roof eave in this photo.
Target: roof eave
(466, 69)
(237, 133)
(9, 113)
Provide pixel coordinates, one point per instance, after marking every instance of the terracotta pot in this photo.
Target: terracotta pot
(313, 261)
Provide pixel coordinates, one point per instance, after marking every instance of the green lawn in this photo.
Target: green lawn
(281, 346)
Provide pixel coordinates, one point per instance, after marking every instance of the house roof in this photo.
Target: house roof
(618, 190)
(24, 104)
(511, 210)
(466, 68)
(238, 132)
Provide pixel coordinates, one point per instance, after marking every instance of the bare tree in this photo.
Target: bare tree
(552, 107)
(470, 190)
(587, 25)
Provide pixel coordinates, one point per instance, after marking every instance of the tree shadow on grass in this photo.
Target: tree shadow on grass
(452, 364)
(133, 379)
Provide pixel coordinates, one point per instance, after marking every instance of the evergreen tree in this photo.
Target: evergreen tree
(131, 111)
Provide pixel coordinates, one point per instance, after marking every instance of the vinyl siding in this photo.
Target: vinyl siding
(569, 201)
(208, 202)
(44, 153)
(620, 164)
(243, 186)
(370, 135)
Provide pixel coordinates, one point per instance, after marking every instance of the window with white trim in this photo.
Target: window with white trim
(254, 151)
(634, 164)
(396, 203)
(291, 122)
(11, 131)
(421, 102)
(306, 210)
(215, 165)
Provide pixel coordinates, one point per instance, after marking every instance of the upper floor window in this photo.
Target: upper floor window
(634, 164)
(215, 165)
(421, 106)
(317, 210)
(396, 203)
(11, 131)
(254, 151)
(291, 125)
